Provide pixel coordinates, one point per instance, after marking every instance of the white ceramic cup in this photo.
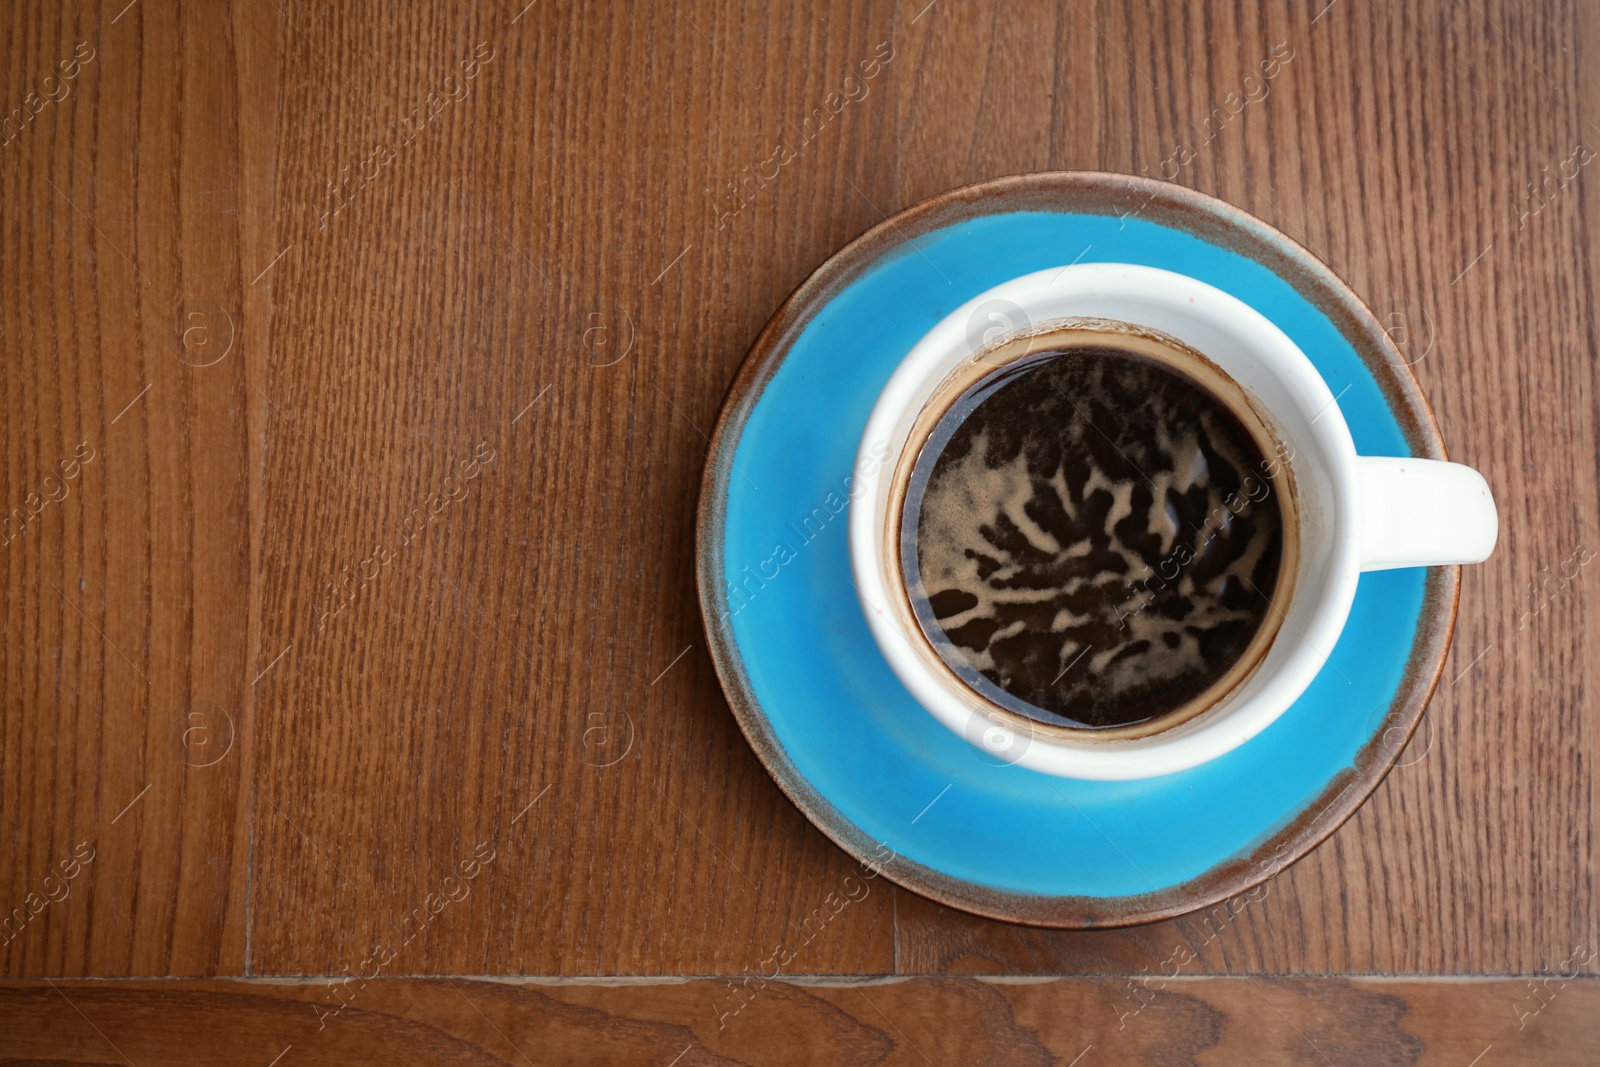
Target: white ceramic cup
(1354, 513)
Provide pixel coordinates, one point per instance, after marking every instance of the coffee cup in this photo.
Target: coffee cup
(1340, 514)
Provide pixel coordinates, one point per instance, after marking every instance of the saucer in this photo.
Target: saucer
(829, 719)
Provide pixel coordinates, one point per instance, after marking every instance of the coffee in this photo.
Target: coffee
(1092, 534)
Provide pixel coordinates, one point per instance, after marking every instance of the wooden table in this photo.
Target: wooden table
(358, 365)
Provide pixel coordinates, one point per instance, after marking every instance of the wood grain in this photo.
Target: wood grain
(382, 618)
(521, 644)
(126, 659)
(844, 1021)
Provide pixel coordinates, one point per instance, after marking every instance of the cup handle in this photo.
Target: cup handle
(1423, 513)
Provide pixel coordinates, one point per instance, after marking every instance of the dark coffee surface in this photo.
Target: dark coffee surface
(1091, 537)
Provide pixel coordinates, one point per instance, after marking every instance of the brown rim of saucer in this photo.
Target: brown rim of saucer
(1089, 193)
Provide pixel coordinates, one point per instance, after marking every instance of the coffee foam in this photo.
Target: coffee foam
(992, 584)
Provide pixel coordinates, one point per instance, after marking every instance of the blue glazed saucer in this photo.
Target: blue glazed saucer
(841, 735)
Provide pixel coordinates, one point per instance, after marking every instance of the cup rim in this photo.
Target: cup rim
(1214, 731)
